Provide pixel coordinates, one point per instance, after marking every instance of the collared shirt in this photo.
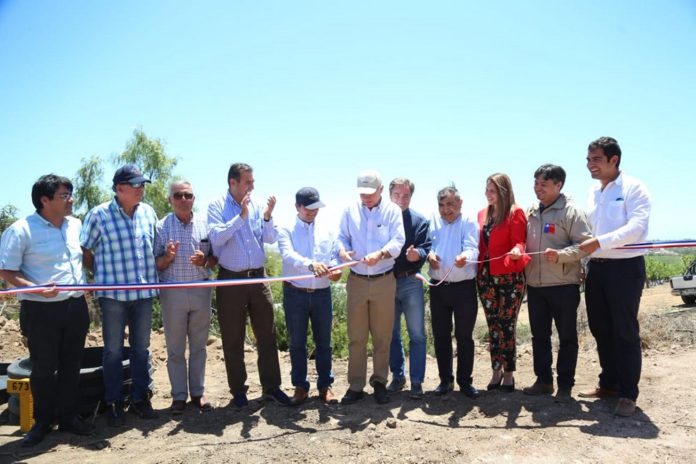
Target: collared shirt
(191, 237)
(416, 231)
(237, 242)
(365, 230)
(43, 253)
(122, 247)
(619, 215)
(303, 244)
(449, 241)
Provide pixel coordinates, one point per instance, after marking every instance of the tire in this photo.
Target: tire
(91, 377)
(688, 299)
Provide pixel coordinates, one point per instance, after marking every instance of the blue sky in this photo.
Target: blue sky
(310, 93)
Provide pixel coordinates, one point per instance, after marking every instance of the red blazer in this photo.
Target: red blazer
(512, 232)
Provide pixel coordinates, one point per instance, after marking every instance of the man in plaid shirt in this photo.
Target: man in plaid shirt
(183, 254)
(117, 239)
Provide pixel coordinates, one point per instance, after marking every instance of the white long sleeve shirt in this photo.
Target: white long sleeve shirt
(618, 216)
(451, 239)
(365, 230)
(303, 244)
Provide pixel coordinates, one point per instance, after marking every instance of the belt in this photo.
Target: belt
(449, 282)
(372, 276)
(402, 274)
(246, 273)
(300, 289)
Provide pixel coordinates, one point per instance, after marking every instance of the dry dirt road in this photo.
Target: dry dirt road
(495, 428)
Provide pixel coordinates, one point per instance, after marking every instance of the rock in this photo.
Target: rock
(391, 423)
(212, 340)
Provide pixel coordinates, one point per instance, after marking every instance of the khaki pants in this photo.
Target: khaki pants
(370, 312)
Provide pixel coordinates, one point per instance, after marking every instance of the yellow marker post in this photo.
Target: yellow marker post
(26, 402)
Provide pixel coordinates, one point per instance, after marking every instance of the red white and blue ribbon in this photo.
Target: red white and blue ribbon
(268, 280)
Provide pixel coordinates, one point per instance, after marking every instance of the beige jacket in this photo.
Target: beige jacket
(561, 226)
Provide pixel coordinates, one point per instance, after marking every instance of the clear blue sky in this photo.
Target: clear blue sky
(310, 93)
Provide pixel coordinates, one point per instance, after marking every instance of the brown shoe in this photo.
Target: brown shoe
(327, 397)
(177, 407)
(299, 397)
(625, 407)
(598, 392)
(202, 403)
(538, 389)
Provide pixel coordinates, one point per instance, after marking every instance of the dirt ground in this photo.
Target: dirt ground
(494, 428)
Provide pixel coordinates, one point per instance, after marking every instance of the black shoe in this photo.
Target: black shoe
(36, 435)
(495, 386)
(143, 409)
(470, 391)
(381, 396)
(397, 384)
(76, 426)
(352, 396)
(507, 388)
(416, 392)
(278, 396)
(444, 388)
(115, 415)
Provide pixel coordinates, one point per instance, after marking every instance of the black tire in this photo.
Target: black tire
(688, 299)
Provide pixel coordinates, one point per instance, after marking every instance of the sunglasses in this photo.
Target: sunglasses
(180, 195)
(135, 186)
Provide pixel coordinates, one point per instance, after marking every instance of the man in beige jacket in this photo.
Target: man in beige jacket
(555, 227)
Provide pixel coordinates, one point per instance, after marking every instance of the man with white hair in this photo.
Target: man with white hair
(183, 253)
(371, 232)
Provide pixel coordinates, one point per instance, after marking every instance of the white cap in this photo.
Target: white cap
(369, 181)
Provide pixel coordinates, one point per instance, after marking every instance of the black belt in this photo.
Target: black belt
(612, 260)
(246, 273)
(371, 276)
(300, 289)
(405, 273)
(449, 282)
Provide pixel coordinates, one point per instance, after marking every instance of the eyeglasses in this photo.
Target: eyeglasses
(65, 195)
(135, 186)
(180, 195)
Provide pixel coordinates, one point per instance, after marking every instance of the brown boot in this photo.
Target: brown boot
(598, 392)
(538, 388)
(299, 397)
(327, 397)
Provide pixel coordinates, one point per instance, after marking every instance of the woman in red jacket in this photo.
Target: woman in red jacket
(501, 282)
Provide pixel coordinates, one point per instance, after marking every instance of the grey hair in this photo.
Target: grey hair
(179, 183)
(451, 189)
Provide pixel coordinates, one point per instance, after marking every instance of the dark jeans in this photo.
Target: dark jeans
(56, 333)
(234, 302)
(612, 293)
(456, 299)
(300, 308)
(137, 315)
(558, 304)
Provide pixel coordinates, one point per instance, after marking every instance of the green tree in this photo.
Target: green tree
(150, 156)
(8, 215)
(88, 190)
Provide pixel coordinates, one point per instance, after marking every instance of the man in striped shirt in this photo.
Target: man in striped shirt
(183, 254)
(117, 241)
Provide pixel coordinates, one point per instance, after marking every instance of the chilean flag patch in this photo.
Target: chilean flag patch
(549, 228)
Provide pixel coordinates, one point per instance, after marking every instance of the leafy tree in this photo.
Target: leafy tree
(88, 191)
(150, 156)
(8, 215)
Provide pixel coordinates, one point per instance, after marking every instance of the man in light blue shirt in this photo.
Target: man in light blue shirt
(308, 247)
(44, 249)
(455, 241)
(118, 244)
(371, 232)
(238, 230)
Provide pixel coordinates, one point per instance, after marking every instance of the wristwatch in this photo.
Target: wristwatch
(311, 267)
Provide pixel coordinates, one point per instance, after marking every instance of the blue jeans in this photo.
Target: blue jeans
(411, 303)
(301, 307)
(115, 315)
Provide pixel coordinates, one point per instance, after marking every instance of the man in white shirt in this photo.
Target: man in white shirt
(618, 213)
(455, 240)
(308, 247)
(371, 232)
